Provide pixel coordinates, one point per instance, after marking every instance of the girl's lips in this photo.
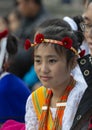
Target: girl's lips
(45, 78)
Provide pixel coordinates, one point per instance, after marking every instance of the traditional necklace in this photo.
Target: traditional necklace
(61, 104)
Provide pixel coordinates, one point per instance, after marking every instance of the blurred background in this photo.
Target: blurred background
(57, 7)
(21, 18)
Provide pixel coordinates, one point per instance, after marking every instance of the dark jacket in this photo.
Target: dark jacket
(29, 24)
(84, 112)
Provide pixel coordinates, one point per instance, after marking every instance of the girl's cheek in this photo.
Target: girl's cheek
(85, 35)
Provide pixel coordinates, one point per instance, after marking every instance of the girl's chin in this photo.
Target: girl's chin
(47, 85)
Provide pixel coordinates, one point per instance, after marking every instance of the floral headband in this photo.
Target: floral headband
(65, 42)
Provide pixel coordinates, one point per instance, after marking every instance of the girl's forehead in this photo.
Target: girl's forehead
(47, 50)
(44, 48)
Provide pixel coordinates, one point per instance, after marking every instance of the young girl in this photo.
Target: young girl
(13, 92)
(53, 106)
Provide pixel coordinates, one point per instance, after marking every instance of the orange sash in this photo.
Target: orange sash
(38, 99)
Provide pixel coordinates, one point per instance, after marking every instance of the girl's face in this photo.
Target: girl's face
(88, 25)
(50, 67)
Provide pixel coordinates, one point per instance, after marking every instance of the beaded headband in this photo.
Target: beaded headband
(65, 42)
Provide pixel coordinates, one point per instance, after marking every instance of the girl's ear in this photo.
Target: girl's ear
(73, 63)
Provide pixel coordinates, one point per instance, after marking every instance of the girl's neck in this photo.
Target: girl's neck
(58, 92)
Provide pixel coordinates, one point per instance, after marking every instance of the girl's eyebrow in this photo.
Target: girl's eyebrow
(48, 56)
(37, 56)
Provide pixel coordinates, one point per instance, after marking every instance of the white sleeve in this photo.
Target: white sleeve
(30, 117)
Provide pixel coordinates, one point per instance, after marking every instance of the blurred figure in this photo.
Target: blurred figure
(3, 23)
(13, 91)
(87, 25)
(33, 13)
(14, 19)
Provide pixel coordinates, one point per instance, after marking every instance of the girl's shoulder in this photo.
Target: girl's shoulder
(3, 75)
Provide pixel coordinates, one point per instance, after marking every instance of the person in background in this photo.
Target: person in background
(14, 20)
(33, 13)
(13, 91)
(87, 25)
(3, 23)
(83, 117)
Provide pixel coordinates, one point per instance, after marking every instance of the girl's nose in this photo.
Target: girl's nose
(45, 68)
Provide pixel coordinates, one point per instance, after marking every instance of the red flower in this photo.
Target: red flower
(27, 44)
(67, 42)
(39, 38)
(3, 34)
(82, 53)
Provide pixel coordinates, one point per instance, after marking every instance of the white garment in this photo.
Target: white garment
(77, 74)
(3, 44)
(4, 74)
(69, 113)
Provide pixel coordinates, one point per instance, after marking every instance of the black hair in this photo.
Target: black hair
(5, 19)
(78, 19)
(57, 29)
(12, 44)
(39, 2)
(11, 48)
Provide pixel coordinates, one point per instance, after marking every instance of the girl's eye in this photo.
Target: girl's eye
(52, 61)
(37, 61)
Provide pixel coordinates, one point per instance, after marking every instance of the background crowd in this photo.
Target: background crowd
(21, 18)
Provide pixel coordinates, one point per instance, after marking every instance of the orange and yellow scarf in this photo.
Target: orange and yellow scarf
(41, 100)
